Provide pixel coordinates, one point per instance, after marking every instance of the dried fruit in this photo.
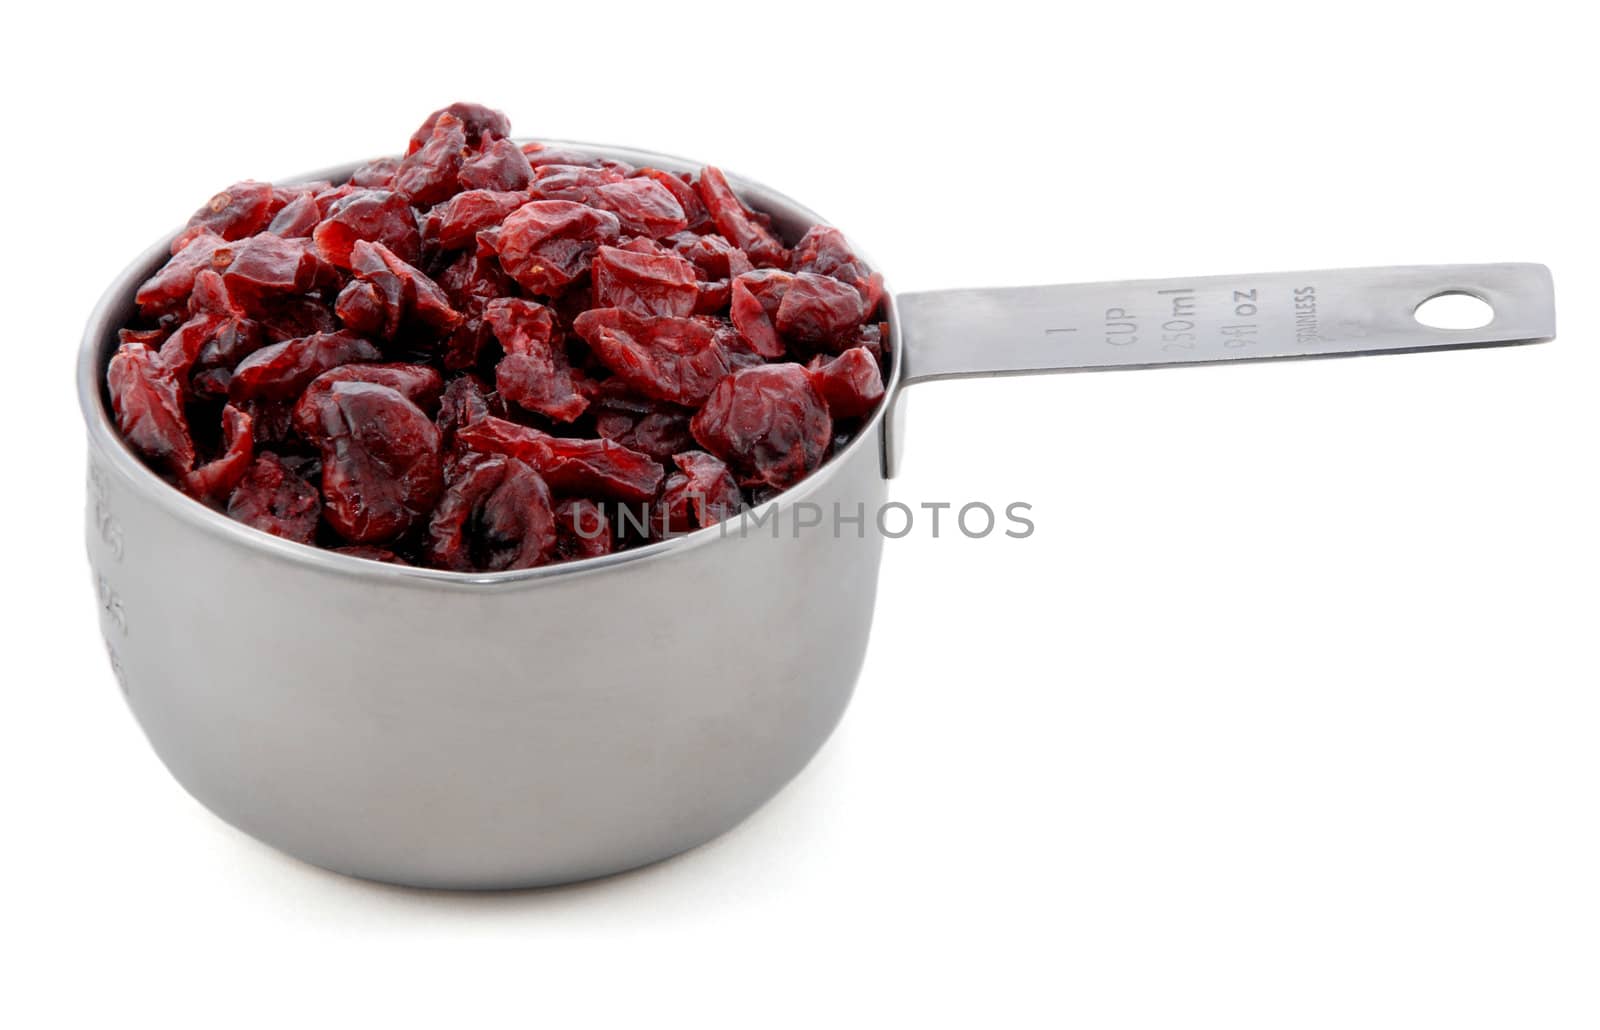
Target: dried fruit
(768, 422)
(275, 500)
(380, 460)
(461, 356)
(496, 515)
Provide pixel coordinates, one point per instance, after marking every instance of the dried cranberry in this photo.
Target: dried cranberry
(297, 218)
(768, 422)
(214, 481)
(586, 467)
(644, 283)
(281, 371)
(737, 222)
(380, 461)
(428, 173)
(465, 214)
(643, 206)
(582, 530)
(546, 244)
(820, 311)
(850, 383)
(399, 292)
(757, 296)
(501, 165)
(497, 514)
(824, 251)
(701, 493)
(377, 216)
(148, 402)
(241, 210)
(534, 372)
(478, 122)
(273, 499)
(419, 384)
(170, 286)
(671, 359)
(265, 267)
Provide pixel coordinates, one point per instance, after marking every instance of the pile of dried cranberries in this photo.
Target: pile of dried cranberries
(485, 356)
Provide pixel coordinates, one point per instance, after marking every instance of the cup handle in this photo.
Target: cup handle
(1152, 323)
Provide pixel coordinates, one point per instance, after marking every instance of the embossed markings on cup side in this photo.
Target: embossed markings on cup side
(104, 525)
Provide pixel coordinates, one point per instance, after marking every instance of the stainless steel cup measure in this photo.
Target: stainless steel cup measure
(530, 728)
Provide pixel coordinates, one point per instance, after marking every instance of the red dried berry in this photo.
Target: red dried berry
(501, 165)
(534, 373)
(241, 210)
(400, 292)
(266, 267)
(547, 244)
(737, 222)
(824, 251)
(148, 402)
(643, 206)
(582, 530)
(819, 311)
(380, 461)
(479, 123)
(378, 216)
(850, 383)
(418, 384)
(464, 215)
(213, 482)
(591, 468)
(281, 371)
(170, 286)
(497, 514)
(657, 282)
(768, 422)
(428, 173)
(273, 499)
(701, 493)
(670, 359)
(754, 306)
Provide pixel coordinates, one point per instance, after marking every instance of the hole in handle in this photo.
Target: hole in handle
(1454, 310)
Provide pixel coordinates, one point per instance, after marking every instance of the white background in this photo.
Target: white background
(1287, 715)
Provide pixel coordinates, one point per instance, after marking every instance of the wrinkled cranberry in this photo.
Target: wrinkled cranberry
(419, 384)
(824, 251)
(820, 311)
(376, 174)
(582, 530)
(534, 373)
(643, 206)
(378, 216)
(500, 165)
(297, 218)
(768, 422)
(399, 291)
(265, 267)
(694, 209)
(148, 401)
(671, 359)
(213, 482)
(644, 283)
(737, 222)
(754, 305)
(380, 461)
(241, 210)
(463, 215)
(170, 286)
(478, 122)
(586, 467)
(701, 493)
(281, 371)
(497, 514)
(850, 383)
(273, 499)
(546, 244)
(428, 173)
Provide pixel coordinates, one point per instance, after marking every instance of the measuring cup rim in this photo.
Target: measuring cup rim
(108, 448)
